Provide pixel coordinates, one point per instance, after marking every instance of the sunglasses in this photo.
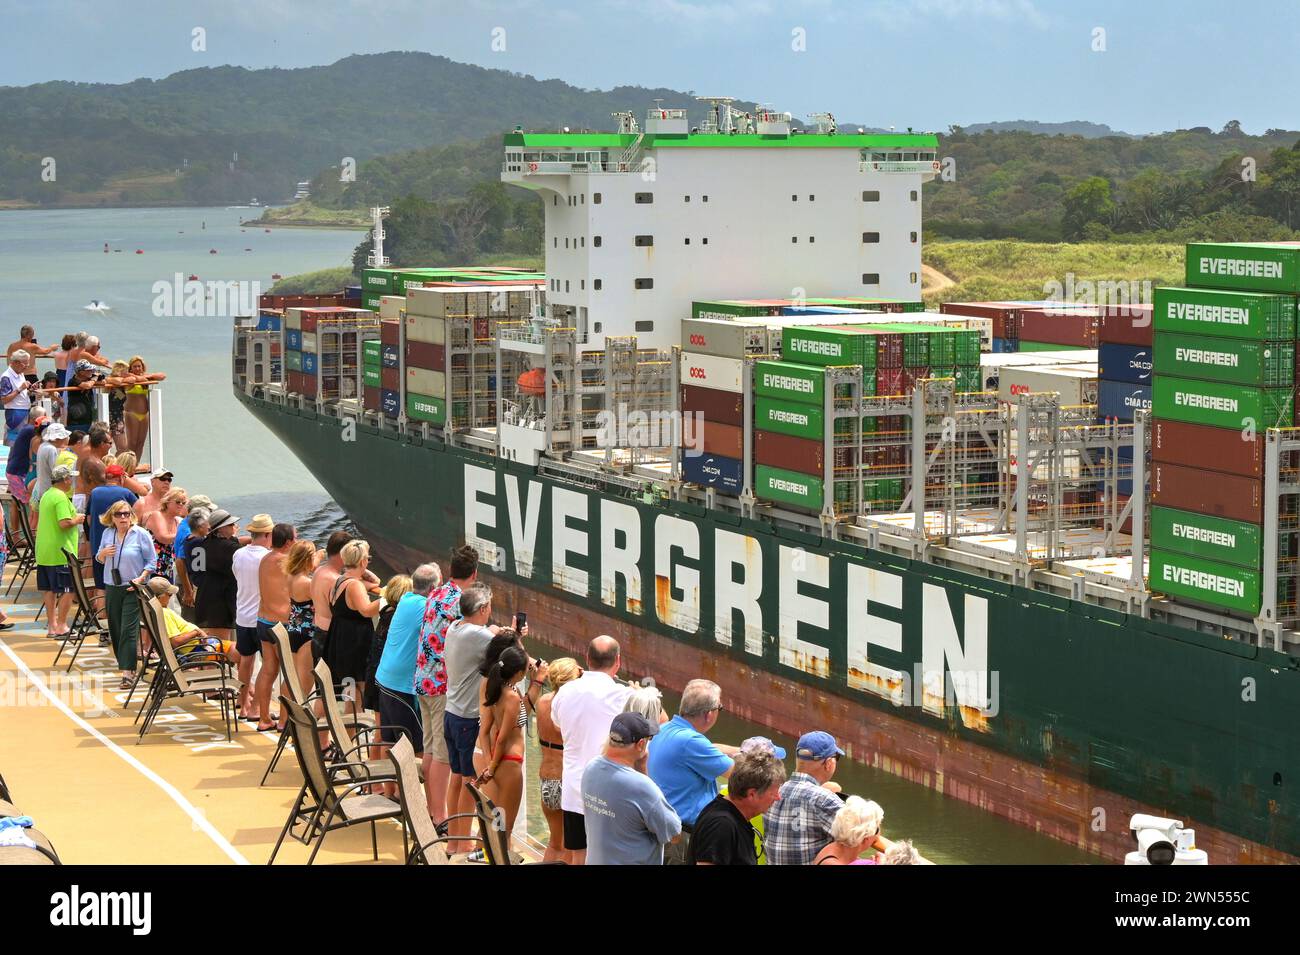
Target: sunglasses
(121, 514)
(165, 480)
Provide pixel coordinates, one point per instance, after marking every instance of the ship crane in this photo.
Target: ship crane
(723, 117)
(823, 122)
(377, 259)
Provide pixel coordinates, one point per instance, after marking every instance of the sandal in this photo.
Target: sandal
(127, 683)
(478, 855)
(270, 727)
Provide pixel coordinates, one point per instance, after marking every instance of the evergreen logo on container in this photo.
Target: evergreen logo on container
(1213, 314)
(1250, 268)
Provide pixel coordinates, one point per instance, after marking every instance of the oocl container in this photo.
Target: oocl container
(726, 339)
(1204, 581)
(1222, 495)
(1230, 450)
(1222, 404)
(1259, 316)
(1203, 535)
(789, 417)
(788, 487)
(790, 381)
(1261, 364)
(1267, 266)
(1076, 385)
(711, 371)
(1130, 363)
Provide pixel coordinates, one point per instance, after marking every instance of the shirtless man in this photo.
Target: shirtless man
(90, 465)
(159, 485)
(27, 342)
(272, 608)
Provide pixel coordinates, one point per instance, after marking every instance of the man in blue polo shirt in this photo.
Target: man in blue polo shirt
(685, 764)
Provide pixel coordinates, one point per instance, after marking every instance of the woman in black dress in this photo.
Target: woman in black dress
(354, 605)
(211, 562)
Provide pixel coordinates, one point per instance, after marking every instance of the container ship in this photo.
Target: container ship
(1039, 556)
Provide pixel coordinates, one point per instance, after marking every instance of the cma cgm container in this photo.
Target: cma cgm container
(1203, 535)
(1130, 363)
(1230, 450)
(1258, 316)
(1204, 581)
(1264, 266)
(1121, 399)
(1223, 405)
(1192, 489)
(1262, 364)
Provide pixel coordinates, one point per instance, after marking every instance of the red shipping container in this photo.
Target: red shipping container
(1193, 489)
(390, 379)
(723, 407)
(390, 331)
(482, 330)
(309, 321)
(889, 349)
(1126, 325)
(1207, 448)
(370, 398)
(1063, 327)
(912, 375)
(727, 440)
(889, 381)
(1006, 318)
(786, 451)
(425, 355)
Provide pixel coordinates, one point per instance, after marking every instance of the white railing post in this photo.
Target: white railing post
(155, 429)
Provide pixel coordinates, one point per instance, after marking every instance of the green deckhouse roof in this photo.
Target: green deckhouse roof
(720, 140)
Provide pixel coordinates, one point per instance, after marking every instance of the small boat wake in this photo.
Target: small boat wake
(97, 306)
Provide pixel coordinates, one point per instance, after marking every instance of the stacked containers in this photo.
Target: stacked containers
(789, 431)
(297, 382)
(1124, 366)
(1224, 357)
(713, 399)
(425, 356)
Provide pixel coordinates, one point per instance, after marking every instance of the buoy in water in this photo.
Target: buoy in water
(212, 251)
(192, 278)
(139, 251)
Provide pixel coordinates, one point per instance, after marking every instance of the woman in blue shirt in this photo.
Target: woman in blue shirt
(127, 552)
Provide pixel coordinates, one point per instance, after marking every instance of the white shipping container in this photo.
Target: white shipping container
(308, 341)
(293, 318)
(712, 371)
(1069, 356)
(390, 306)
(726, 339)
(423, 381)
(437, 302)
(426, 328)
(1076, 386)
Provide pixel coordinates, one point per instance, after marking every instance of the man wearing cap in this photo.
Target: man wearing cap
(53, 441)
(159, 485)
(99, 501)
(248, 596)
(799, 826)
(685, 763)
(13, 394)
(56, 531)
(186, 638)
(81, 396)
(628, 820)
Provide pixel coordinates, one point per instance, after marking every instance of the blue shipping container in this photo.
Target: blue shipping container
(391, 402)
(268, 323)
(715, 471)
(388, 356)
(1119, 399)
(1005, 345)
(352, 291)
(293, 339)
(309, 362)
(1130, 363)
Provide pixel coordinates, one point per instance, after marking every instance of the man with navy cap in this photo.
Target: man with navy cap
(628, 820)
(799, 825)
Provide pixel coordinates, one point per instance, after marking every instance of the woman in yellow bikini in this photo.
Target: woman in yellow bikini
(136, 410)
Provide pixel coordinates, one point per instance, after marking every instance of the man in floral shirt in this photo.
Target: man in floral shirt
(442, 610)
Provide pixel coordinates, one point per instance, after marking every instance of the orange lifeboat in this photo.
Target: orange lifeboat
(533, 382)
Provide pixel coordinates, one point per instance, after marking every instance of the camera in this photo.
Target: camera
(1162, 841)
(117, 577)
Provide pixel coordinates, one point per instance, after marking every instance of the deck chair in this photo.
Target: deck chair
(85, 622)
(29, 547)
(428, 843)
(144, 661)
(21, 554)
(202, 674)
(345, 748)
(496, 841)
(297, 692)
(329, 798)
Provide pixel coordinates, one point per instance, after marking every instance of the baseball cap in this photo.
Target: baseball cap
(817, 745)
(162, 587)
(629, 728)
(761, 744)
(163, 474)
(83, 365)
(115, 470)
(201, 500)
(60, 474)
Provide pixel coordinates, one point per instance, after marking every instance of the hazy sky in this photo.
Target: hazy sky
(921, 63)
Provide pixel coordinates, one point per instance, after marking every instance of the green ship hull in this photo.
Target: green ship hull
(1060, 715)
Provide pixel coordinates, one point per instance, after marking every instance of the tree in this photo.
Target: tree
(1089, 201)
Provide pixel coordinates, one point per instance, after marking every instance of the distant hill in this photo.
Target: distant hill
(1079, 127)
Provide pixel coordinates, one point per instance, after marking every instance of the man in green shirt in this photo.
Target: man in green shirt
(56, 531)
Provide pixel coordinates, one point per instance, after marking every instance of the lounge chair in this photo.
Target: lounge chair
(22, 548)
(345, 748)
(496, 841)
(85, 623)
(330, 796)
(428, 843)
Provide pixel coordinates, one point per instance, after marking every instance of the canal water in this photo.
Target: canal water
(52, 263)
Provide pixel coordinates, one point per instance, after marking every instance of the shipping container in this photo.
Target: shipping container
(1051, 354)
(310, 363)
(790, 381)
(423, 355)
(814, 345)
(1005, 317)
(1075, 326)
(889, 381)
(293, 360)
(725, 475)
(726, 310)
(724, 407)
(1262, 266)
(711, 437)
(1120, 399)
(371, 352)
(293, 339)
(426, 408)
(804, 455)
(710, 371)
(726, 339)
(1126, 325)
(1261, 364)
(1002, 346)
(1204, 581)
(788, 487)
(1258, 316)
(309, 340)
(390, 402)
(268, 323)
(390, 333)
(390, 379)
(789, 417)
(376, 281)
(1223, 404)
(391, 306)
(390, 356)
(423, 328)
(370, 398)
(435, 302)
(1230, 450)
(1130, 363)
(1076, 386)
(371, 378)
(1202, 535)
(370, 300)
(1193, 489)
(422, 381)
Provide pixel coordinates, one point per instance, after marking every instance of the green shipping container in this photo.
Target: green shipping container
(845, 425)
(1259, 266)
(788, 487)
(293, 360)
(1205, 581)
(1222, 404)
(376, 281)
(370, 300)
(426, 408)
(1203, 535)
(815, 345)
(968, 347)
(969, 379)
(371, 377)
(1259, 316)
(728, 309)
(790, 382)
(1262, 364)
(371, 350)
(789, 417)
